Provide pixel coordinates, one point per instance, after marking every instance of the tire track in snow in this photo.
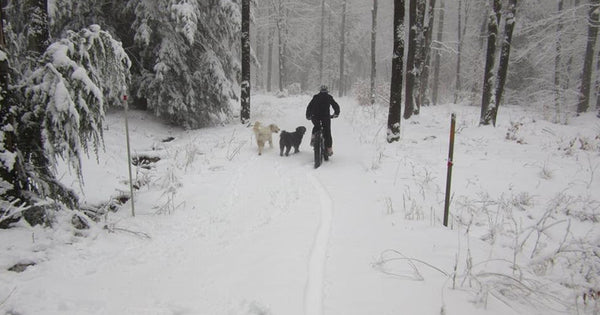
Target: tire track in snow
(313, 294)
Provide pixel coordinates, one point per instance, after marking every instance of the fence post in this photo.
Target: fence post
(449, 174)
(128, 155)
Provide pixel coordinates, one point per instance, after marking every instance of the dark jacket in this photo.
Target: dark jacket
(318, 108)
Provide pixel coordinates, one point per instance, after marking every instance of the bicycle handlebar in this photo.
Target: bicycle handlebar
(330, 116)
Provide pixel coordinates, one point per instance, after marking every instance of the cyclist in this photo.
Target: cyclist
(318, 112)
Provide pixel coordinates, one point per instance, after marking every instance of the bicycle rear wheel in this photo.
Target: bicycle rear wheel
(318, 148)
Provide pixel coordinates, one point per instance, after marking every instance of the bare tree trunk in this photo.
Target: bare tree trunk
(597, 84)
(321, 56)
(410, 59)
(270, 38)
(342, 49)
(509, 26)
(419, 55)
(586, 78)
(488, 75)
(281, 36)
(438, 54)
(245, 86)
(458, 86)
(373, 57)
(393, 124)
(426, 52)
(557, 60)
(260, 57)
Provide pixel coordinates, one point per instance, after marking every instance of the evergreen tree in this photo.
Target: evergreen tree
(188, 57)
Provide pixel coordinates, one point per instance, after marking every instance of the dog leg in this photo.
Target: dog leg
(287, 151)
(260, 147)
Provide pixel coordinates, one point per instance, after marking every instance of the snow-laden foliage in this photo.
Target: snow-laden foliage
(70, 14)
(81, 76)
(189, 59)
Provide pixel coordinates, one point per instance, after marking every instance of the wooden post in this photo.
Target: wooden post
(449, 175)
(128, 156)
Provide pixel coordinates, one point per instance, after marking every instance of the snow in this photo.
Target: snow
(221, 230)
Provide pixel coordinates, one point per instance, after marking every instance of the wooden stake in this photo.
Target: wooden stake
(129, 156)
(449, 175)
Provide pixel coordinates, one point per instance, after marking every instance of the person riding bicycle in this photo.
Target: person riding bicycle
(318, 112)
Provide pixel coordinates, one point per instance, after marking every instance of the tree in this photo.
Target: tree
(488, 77)
(393, 124)
(61, 114)
(188, 59)
(419, 55)
(270, 38)
(373, 57)
(438, 54)
(8, 151)
(509, 26)
(410, 59)
(322, 46)
(426, 55)
(458, 87)
(586, 77)
(557, 58)
(282, 32)
(245, 85)
(342, 49)
(38, 35)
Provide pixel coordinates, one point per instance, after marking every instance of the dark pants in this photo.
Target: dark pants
(326, 123)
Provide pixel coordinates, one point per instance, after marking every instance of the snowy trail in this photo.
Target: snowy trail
(316, 265)
(254, 235)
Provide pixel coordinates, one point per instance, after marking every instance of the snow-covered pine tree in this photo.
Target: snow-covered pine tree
(189, 56)
(8, 174)
(81, 75)
(61, 113)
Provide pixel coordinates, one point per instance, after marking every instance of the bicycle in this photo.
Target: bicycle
(320, 152)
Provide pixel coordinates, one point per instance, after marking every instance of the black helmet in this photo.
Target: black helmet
(324, 88)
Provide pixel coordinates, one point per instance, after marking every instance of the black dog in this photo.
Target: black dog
(288, 140)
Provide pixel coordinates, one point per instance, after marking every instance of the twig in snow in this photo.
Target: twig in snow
(8, 296)
(113, 229)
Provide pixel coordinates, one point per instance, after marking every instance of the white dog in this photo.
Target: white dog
(264, 134)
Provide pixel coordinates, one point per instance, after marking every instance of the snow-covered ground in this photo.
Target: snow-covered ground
(221, 230)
